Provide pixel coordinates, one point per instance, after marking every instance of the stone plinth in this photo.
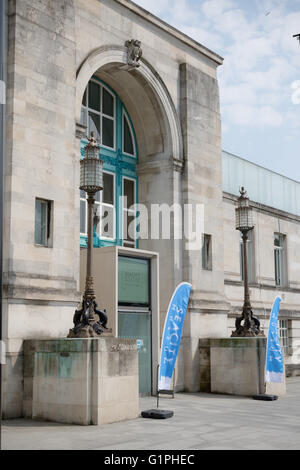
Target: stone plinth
(81, 381)
(235, 366)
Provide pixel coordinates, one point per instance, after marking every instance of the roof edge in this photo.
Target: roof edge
(146, 15)
(260, 166)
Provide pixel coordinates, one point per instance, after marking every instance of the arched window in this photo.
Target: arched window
(104, 113)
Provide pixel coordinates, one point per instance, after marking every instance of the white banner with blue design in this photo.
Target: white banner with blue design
(274, 359)
(172, 334)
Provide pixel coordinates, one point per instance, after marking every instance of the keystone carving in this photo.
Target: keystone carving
(134, 52)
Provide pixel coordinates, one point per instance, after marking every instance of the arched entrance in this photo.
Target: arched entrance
(151, 111)
(137, 88)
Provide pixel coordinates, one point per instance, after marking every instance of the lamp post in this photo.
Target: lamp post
(244, 223)
(89, 321)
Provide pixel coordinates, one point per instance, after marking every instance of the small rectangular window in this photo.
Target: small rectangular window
(42, 235)
(284, 335)
(280, 259)
(206, 252)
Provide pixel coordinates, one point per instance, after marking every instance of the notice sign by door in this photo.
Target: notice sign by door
(133, 280)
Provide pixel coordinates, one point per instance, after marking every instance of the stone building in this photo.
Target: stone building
(150, 94)
(273, 249)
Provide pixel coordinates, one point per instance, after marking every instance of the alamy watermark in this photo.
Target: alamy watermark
(158, 221)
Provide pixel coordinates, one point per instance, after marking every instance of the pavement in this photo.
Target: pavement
(200, 421)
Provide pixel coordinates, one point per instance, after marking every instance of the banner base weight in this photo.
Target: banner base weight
(265, 397)
(157, 414)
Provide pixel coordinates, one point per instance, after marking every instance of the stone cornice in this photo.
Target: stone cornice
(261, 313)
(264, 208)
(230, 282)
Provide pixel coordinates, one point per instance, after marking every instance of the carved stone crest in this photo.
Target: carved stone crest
(134, 52)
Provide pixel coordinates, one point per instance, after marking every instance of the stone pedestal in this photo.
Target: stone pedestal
(81, 381)
(235, 366)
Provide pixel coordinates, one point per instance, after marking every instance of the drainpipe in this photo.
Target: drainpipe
(3, 60)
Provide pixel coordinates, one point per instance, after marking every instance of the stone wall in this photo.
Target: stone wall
(81, 381)
(40, 284)
(235, 366)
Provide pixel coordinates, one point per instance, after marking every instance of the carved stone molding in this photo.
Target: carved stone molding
(134, 52)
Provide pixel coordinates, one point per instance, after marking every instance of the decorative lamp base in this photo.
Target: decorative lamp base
(244, 332)
(88, 331)
(250, 328)
(89, 321)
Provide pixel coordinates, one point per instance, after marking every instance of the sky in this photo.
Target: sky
(260, 78)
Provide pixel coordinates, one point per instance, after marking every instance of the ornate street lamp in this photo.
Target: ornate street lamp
(89, 321)
(244, 223)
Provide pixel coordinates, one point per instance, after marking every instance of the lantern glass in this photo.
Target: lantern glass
(243, 218)
(91, 174)
(243, 213)
(91, 152)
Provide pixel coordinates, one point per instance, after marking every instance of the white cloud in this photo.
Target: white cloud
(212, 8)
(253, 116)
(176, 12)
(181, 12)
(262, 59)
(203, 36)
(296, 92)
(234, 26)
(238, 93)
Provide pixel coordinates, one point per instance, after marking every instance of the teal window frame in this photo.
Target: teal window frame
(206, 252)
(43, 223)
(121, 164)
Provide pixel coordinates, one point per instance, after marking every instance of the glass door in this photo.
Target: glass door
(134, 317)
(137, 325)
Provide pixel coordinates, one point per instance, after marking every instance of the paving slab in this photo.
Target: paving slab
(200, 421)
